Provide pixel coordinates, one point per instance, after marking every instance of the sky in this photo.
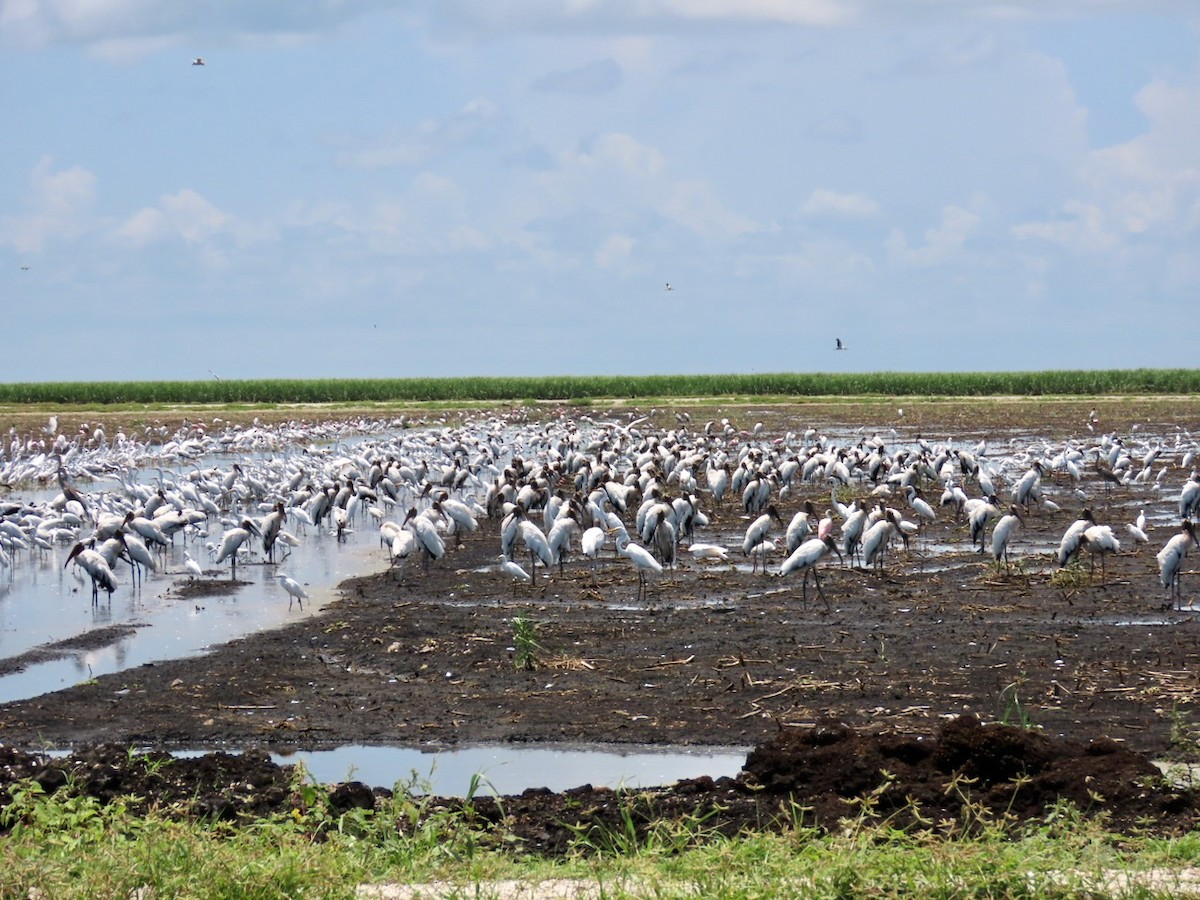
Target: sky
(361, 188)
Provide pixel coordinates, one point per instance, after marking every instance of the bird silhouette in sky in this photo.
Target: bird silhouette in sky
(840, 345)
(198, 61)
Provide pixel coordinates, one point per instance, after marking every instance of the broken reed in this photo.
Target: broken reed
(400, 390)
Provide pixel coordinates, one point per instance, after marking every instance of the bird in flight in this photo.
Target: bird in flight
(669, 288)
(24, 268)
(840, 345)
(198, 61)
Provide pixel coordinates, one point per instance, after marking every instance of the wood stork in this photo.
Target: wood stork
(877, 538)
(97, 569)
(805, 558)
(138, 553)
(1170, 560)
(427, 538)
(537, 545)
(1002, 534)
(592, 542)
(231, 543)
(1068, 546)
(979, 513)
(758, 530)
(1100, 541)
(800, 527)
(1028, 488)
(271, 524)
(852, 530)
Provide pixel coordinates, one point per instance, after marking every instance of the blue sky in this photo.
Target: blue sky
(361, 188)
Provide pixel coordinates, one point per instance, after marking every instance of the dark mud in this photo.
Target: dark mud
(964, 777)
(1101, 667)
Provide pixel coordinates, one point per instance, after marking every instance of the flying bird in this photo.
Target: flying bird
(840, 345)
(669, 288)
(198, 61)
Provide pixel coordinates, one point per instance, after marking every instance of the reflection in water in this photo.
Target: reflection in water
(510, 770)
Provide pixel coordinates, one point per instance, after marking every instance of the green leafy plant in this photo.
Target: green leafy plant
(1012, 710)
(526, 643)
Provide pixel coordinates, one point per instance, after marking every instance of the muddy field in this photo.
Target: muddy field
(718, 655)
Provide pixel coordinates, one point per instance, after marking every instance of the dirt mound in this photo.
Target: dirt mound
(965, 774)
(966, 769)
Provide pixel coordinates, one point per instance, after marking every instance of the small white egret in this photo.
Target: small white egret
(295, 590)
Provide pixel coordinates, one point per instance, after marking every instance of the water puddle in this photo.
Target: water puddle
(511, 770)
(162, 625)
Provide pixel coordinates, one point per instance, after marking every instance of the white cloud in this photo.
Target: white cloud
(941, 244)
(114, 24)
(826, 203)
(1147, 185)
(188, 216)
(695, 206)
(60, 203)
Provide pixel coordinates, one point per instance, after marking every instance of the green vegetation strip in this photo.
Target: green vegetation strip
(393, 390)
(75, 847)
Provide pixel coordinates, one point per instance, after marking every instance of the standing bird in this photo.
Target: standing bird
(1170, 560)
(1002, 534)
(271, 524)
(431, 543)
(231, 543)
(1028, 487)
(295, 590)
(877, 538)
(1100, 541)
(801, 526)
(69, 491)
(537, 545)
(191, 566)
(758, 530)
(97, 568)
(1069, 545)
(980, 513)
(592, 542)
(643, 560)
(514, 571)
(805, 557)
(920, 505)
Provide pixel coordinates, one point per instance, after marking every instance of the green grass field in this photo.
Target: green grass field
(580, 388)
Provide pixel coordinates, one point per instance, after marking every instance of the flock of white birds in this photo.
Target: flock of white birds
(653, 488)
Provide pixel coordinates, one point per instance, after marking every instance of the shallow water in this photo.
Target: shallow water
(44, 604)
(510, 770)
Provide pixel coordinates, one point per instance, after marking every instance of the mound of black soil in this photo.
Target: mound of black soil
(965, 774)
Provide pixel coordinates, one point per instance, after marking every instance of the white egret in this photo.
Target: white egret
(643, 560)
(295, 590)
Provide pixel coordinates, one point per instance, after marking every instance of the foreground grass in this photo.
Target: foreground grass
(66, 847)
(578, 388)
